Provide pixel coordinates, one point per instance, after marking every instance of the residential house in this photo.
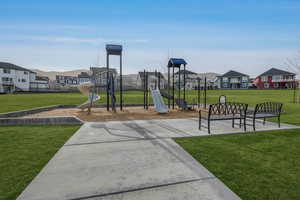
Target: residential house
(233, 80)
(275, 78)
(152, 80)
(99, 74)
(191, 79)
(84, 77)
(41, 83)
(15, 78)
(66, 81)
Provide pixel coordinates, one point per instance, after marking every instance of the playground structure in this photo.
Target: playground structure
(175, 97)
(173, 92)
(112, 49)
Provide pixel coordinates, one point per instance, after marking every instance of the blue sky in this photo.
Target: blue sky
(249, 36)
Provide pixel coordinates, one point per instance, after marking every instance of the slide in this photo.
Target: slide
(92, 98)
(159, 104)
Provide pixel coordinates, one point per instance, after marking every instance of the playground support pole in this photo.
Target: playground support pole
(155, 73)
(121, 84)
(184, 82)
(173, 87)
(169, 87)
(179, 84)
(198, 92)
(205, 87)
(159, 80)
(107, 82)
(147, 95)
(294, 91)
(144, 88)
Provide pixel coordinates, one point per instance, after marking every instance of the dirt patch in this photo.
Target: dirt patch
(129, 113)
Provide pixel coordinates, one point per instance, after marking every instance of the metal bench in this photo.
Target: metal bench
(265, 110)
(224, 111)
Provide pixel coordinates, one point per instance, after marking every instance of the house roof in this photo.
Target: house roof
(97, 70)
(141, 74)
(5, 65)
(186, 72)
(176, 62)
(232, 73)
(42, 78)
(275, 71)
(83, 75)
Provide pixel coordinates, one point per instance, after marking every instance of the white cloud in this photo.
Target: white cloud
(72, 40)
(64, 57)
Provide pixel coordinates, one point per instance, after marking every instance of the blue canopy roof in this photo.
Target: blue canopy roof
(114, 49)
(176, 62)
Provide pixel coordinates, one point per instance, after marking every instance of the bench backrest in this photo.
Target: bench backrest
(229, 108)
(222, 99)
(269, 107)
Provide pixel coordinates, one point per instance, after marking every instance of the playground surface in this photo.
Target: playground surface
(129, 113)
(132, 160)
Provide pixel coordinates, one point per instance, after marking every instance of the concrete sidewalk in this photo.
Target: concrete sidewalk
(129, 160)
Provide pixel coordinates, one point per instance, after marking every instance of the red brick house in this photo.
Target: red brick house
(275, 78)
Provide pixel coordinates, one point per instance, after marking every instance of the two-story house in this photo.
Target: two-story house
(153, 80)
(233, 80)
(275, 78)
(99, 75)
(67, 81)
(15, 78)
(41, 83)
(84, 77)
(191, 79)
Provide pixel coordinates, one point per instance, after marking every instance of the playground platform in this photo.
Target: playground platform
(132, 160)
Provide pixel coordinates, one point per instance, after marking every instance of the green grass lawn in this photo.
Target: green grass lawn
(17, 102)
(24, 150)
(255, 166)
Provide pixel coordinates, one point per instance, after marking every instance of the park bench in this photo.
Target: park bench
(265, 110)
(224, 111)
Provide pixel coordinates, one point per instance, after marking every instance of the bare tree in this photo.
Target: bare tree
(294, 65)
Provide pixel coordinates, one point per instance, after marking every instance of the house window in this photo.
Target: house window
(225, 79)
(234, 80)
(244, 78)
(6, 71)
(264, 78)
(266, 85)
(26, 73)
(276, 78)
(6, 79)
(23, 80)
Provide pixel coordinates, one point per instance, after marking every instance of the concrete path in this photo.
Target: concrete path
(130, 160)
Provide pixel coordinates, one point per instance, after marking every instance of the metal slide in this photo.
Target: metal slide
(159, 104)
(92, 98)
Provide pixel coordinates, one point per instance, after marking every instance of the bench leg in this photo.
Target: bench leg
(254, 124)
(279, 121)
(240, 122)
(208, 126)
(200, 123)
(245, 128)
(232, 123)
(264, 121)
